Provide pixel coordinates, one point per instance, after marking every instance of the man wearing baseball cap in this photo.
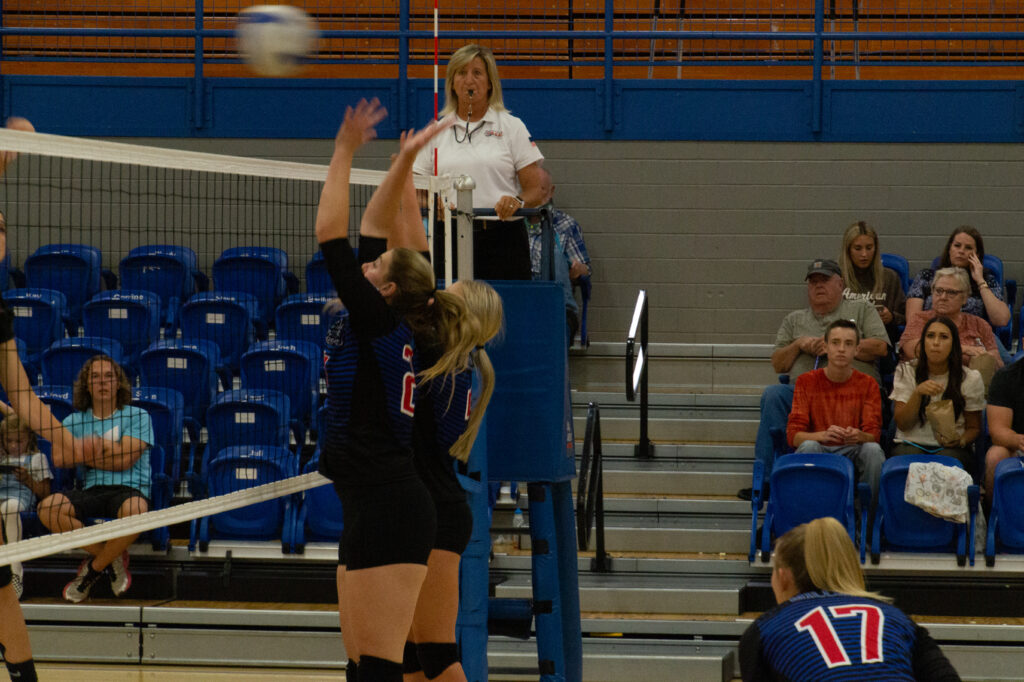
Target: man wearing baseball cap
(800, 347)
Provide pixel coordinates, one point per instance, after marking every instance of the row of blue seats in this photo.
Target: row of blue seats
(808, 486)
(171, 272)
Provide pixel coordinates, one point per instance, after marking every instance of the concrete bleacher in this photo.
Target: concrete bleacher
(678, 597)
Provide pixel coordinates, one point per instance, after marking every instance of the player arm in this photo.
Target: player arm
(752, 665)
(29, 407)
(928, 660)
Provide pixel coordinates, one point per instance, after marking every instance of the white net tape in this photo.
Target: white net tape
(159, 157)
(51, 544)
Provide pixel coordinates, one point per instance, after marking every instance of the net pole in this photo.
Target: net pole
(432, 212)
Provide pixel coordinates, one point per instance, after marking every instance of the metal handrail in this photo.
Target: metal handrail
(590, 493)
(636, 371)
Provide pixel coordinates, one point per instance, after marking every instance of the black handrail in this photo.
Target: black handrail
(590, 493)
(636, 372)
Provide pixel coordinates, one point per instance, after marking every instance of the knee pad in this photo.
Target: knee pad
(373, 669)
(6, 575)
(436, 657)
(410, 660)
(352, 671)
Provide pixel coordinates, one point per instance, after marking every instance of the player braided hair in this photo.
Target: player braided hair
(821, 556)
(484, 304)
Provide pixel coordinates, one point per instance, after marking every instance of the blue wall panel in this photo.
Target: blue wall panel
(927, 111)
(83, 105)
(852, 111)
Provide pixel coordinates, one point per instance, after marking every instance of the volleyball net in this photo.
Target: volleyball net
(197, 278)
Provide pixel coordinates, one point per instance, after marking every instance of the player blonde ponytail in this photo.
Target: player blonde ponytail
(484, 304)
(821, 556)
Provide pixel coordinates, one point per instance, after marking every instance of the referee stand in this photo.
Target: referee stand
(529, 437)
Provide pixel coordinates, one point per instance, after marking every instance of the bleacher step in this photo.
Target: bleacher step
(709, 427)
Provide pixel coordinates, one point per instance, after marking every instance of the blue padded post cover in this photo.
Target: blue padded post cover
(527, 420)
(471, 627)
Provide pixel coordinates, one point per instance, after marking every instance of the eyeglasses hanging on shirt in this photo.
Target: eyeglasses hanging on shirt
(468, 135)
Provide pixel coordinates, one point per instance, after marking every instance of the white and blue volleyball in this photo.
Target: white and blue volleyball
(273, 39)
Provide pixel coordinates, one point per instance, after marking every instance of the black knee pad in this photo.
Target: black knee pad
(373, 669)
(6, 576)
(410, 661)
(436, 657)
(352, 671)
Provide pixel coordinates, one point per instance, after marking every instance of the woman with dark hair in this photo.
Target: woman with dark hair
(827, 625)
(938, 373)
(964, 249)
(860, 262)
(492, 146)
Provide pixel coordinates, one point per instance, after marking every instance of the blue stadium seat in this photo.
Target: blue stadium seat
(189, 366)
(301, 317)
(1005, 522)
(803, 487)
(902, 527)
(131, 317)
(240, 467)
(320, 517)
(226, 318)
(58, 398)
(165, 271)
(166, 408)
(290, 367)
(40, 318)
(900, 266)
(317, 279)
(245, 416)
(72, 269)
(258, 270)
(64, 359)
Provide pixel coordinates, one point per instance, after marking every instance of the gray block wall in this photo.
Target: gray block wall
(720, 232)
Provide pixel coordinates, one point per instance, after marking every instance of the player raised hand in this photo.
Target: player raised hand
(359, 125)
(412, 141)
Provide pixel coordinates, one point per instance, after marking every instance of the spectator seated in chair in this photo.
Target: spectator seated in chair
(800, 347)
(838, 409)
(1005, 421)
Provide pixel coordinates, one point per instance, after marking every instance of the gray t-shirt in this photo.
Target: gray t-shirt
(806, 323)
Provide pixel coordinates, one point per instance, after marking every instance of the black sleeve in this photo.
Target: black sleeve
(929, 662)
(368, 312)
(6, 323)
(752, 668)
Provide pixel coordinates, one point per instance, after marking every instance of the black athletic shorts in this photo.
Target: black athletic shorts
(101, 500)
(454, 526)
(387, 524)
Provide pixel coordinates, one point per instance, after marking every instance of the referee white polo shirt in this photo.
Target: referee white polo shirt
(496, 148)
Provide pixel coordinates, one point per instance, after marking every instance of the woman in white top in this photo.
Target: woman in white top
(494, 148)
(937, 373)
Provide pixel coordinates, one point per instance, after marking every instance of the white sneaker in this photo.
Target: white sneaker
(78, 589)
(120, 577)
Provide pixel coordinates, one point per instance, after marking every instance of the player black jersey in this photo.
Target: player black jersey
(819, 636)
(442, 413)
(370, 382)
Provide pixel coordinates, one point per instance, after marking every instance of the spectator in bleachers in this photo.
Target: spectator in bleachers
(1005, 421)
(937, 373)
(964, 249)
(977, 342)
(570, 253)
(800, 348)
(838, 409)
(117, 479)
(24, 480)
(493, 147)
(861, 263)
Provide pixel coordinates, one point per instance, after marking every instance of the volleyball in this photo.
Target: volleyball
(273, 39)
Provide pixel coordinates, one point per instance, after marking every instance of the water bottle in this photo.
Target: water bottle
(518, 521)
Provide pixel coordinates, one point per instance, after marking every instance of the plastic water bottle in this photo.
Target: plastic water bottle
(518, 521)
